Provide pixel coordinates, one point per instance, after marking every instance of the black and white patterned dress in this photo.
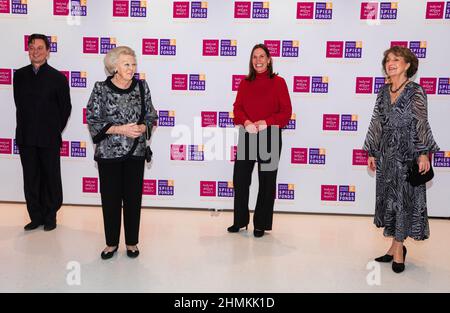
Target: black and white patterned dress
(399, 133)
(111, 106)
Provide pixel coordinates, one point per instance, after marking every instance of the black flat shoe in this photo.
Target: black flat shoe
(235, 229)
(258, 233)
(32, 225)
(109, 255)
(400, 267)
(133, 253)
(49, 227)
(387, 258)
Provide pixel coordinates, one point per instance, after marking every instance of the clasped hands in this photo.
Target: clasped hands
(256, 127)
(131, 130)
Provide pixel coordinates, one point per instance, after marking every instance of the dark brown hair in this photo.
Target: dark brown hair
(407, 55)
(33, 37)
(252, 73)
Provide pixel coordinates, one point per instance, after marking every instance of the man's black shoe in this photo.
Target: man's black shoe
(32, 225)
(49, 227)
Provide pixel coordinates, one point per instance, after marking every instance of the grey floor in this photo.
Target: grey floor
(190, 251)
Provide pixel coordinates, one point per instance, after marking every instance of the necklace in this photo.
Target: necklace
(400, 87)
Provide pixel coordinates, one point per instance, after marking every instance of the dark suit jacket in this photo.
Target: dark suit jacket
(43, 106)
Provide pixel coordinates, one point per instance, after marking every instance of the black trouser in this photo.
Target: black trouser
(42, 182)
(251, 149)
(121, 182)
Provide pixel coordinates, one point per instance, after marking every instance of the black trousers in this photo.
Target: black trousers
(42, 182)
(121, 184)
(251, 149)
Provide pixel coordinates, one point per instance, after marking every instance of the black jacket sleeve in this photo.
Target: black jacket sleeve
(64, 103)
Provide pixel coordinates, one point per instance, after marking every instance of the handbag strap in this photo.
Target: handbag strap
(143, 111)
(141, 118)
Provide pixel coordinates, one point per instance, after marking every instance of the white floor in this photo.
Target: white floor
(190, 251)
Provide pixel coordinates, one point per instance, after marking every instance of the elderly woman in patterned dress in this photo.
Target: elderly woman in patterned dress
(119, 114)
(399, 133)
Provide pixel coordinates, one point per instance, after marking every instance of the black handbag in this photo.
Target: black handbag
(148, 150)
(415, 178)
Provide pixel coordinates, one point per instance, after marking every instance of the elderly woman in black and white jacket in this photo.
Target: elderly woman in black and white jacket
(119, 115)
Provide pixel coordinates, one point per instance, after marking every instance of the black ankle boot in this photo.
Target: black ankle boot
(235, 229)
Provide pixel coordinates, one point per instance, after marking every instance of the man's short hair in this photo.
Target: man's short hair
(33, 37)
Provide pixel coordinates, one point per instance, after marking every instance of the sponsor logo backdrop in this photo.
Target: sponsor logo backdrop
(194, 55)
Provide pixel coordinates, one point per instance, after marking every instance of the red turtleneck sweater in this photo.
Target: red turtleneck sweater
(264, 98)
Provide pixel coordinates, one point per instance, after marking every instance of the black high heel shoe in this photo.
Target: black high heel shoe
(258, 233)
(400, 267)
(109, 255)
(388, 258)
(235, 229)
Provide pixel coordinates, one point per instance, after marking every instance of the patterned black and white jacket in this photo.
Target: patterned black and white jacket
(111, 106)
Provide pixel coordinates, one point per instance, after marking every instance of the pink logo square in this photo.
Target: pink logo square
(274, 47)
(66, 74)
(5, 146)
(181, 9)
(335, 49)
(210, 47)
(369, 11)
(209, 119)
(64, 150)
(305, 10)
(435, 10)
(149, 187)
(233, 153)
(399, 44)
(236, 81)
(61, 7)
(178, 152)
(90, 45)
(429, 85)
(208, 189)
(359, 157)
(330, 122)
(25, 39)
(242, 9)
(5, 6)
(5, 76)
(84, 116)
(179, 81)
(150, 46)
(90, 184)
(364, 85)
(120, 8)
(328, 193)
(299, 155)
(302, 83)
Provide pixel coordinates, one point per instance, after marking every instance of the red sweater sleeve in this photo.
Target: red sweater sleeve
(282, 117)
(238, 107)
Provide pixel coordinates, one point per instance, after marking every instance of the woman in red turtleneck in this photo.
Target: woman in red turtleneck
(263, 108)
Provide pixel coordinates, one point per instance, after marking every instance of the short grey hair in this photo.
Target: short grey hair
(113, 56)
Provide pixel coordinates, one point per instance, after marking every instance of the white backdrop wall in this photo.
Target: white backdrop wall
(345, 87)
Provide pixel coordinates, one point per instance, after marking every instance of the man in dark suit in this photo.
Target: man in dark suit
(42, 98)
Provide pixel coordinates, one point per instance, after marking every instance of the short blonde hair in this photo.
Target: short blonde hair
(113, 56)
